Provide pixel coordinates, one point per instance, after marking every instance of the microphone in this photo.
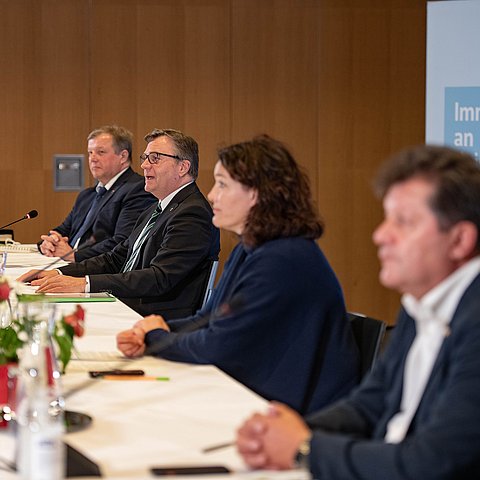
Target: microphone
(227, 309)
(30, 214)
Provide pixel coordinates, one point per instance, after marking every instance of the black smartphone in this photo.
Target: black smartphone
(193, 470)
(102, 373)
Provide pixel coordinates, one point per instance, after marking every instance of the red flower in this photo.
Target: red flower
(76, 320)
(4, 291)
(80, 313)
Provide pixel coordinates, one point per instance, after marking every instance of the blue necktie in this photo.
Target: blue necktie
(141, 240)
(90, 215)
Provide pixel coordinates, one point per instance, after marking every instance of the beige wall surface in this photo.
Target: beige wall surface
(339, 81)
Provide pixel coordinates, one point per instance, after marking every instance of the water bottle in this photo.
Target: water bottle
(40, 415)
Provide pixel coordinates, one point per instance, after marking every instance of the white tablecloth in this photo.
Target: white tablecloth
(141, 423)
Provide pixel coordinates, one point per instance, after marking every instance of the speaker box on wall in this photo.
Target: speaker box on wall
(68, 172)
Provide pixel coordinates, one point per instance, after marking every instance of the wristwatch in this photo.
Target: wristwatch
(303, 454)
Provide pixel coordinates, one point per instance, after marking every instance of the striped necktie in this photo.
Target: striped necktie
(89, 217)
(129, 264)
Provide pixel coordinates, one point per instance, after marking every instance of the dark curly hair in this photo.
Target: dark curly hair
(284, 205)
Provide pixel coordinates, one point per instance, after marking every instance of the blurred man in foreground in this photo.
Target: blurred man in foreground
(110, 209)
(417, 414)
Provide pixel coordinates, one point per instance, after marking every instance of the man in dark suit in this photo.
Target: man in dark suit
(110, 209)
(163, 266)
(417, 414)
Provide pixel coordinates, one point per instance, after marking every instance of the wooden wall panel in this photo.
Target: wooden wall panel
(43, 105)
(208, 92)
(65, 96)
(371, 86)
(207, 80)
(19, 112)
(274, 75)
(339, 81)
(173, 74)
(113, 67)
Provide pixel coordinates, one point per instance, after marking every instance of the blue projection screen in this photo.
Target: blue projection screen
(453, 74)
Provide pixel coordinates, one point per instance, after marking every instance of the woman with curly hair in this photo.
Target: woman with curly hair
(276, 321)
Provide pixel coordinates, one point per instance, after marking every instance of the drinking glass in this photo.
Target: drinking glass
(3, 262)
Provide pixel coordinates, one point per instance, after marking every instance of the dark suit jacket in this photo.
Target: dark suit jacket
(288, 341)
(118, 211)
(174, 262)
(444, 438)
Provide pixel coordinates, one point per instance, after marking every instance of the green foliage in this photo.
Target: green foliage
(65, 345)
(9, 345)
(13, 337)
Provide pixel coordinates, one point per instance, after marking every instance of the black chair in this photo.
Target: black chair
(210, 283)
(368, 333)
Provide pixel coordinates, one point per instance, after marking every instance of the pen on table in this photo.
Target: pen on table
(219, 446)
(117, 371)
(138, 378)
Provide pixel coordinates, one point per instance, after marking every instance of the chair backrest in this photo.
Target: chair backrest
(210, 283)
(368, 333)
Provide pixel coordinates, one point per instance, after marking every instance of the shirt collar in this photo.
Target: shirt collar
(109, 184)
(164, 203)
(439, 304)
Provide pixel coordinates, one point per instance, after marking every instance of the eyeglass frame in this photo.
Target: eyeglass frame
(146, 156)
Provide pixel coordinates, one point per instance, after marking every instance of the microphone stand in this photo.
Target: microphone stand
(27, 216)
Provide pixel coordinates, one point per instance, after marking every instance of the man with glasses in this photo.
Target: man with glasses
(163, 266)
(107, 212)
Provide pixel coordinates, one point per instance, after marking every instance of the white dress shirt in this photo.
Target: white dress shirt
(432, 314)
(164, 203)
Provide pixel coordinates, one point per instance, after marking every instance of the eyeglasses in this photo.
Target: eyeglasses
(155, 157)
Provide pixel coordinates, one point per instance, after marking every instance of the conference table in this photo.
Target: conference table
(167, 417)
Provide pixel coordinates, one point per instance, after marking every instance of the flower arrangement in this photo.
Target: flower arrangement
(14, 335)
(4, 290)
(5, 306)
(70, 326)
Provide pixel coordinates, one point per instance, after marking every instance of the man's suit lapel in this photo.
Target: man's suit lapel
(119, 182)
(467, 304)
(464, 310)
(85, 207)
(171, 207)
(162, 219)
(109, 195)
(396, 369)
